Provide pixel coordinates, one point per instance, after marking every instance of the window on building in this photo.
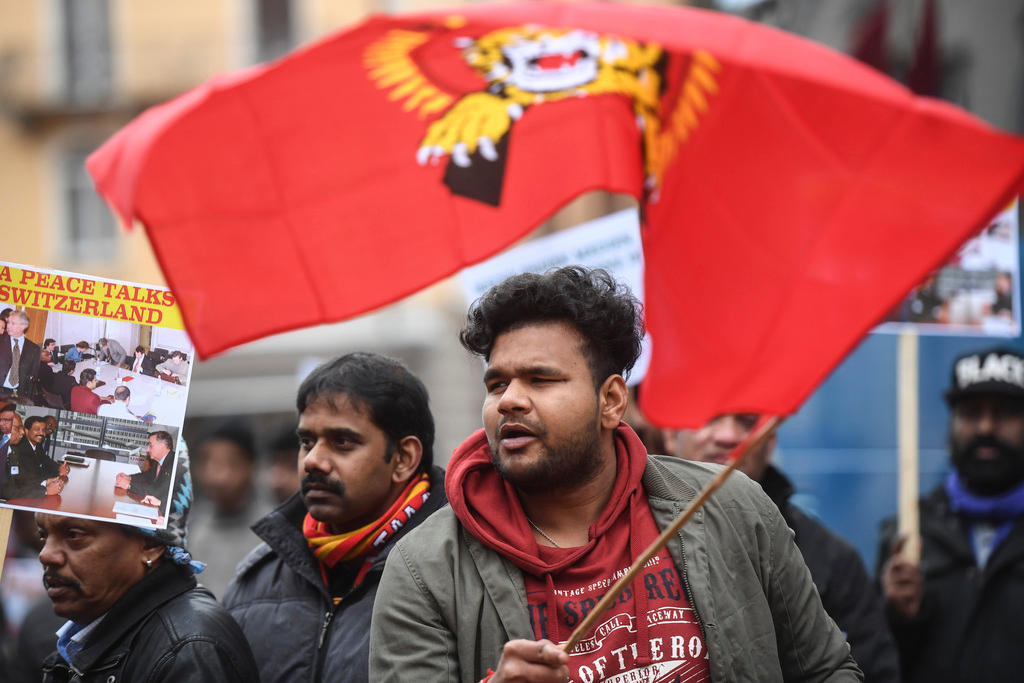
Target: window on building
(90, 233)
(274, 25)
(88, 58)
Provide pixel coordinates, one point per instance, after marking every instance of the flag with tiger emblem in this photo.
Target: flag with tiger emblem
(789, 195)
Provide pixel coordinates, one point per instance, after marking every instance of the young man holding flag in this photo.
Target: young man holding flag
(554, 498)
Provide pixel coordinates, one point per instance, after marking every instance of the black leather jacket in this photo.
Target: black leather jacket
(165, 628)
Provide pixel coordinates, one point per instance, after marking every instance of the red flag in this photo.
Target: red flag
(791, 195)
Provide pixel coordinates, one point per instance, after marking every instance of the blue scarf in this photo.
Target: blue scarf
(1000, 510)
(994, 509)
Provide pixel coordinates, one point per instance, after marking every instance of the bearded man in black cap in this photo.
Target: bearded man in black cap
(957, 616)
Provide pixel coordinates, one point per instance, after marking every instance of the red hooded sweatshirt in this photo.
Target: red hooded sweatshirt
(651, 633)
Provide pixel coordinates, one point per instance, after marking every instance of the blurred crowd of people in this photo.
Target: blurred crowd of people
(337, 550)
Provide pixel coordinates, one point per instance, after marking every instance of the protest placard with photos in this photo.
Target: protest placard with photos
(95, 376)
(975, 293)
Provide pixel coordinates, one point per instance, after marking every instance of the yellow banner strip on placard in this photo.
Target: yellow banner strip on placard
(70, 293)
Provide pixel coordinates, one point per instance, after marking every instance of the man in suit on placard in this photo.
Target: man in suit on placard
(155, 480)
(11, 421)
(51, 346)
(142, 363)
(64, 381)
(8, 418)
(30, 473)
(19, 357)
(111, 351)
(7, 415)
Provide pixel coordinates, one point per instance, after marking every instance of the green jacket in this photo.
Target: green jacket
(447, 604)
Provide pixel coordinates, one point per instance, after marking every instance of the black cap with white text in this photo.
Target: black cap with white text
(995, 371)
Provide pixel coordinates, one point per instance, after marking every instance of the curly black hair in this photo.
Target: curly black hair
(604, 312)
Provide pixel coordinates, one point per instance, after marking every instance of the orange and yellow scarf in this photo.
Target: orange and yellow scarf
(330, 549)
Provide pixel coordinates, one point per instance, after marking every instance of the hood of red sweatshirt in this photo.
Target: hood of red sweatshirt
(489, 508)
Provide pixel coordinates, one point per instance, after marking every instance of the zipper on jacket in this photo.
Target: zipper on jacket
(693, 603)
(318, 664)
(328, 616)
(323, 629)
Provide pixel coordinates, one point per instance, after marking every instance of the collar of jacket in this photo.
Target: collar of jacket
(940, 524)
(778, 487)
(661, 482)
(281, 530)
(163, 584)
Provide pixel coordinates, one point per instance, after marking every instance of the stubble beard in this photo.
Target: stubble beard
(560, 466)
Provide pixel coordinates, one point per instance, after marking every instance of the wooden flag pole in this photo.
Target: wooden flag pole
(907, 391)
(737, 457)
(6, 514)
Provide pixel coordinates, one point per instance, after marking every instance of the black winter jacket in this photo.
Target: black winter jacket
(165, 628)
(279, 599)
(847, 592)
(970, 625)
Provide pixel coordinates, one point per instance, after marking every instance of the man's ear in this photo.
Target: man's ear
(149, 542)
(613, 398)
(152, 548)
(405, 459)
(671, 439)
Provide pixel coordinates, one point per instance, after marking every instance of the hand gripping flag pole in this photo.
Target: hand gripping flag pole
(766, 428)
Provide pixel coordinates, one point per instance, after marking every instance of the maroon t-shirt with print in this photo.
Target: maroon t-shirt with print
(651, 633)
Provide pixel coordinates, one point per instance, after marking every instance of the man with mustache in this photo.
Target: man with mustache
(555, 497)
(957, 615)
(365, 455)
(30, 472)
(134, 610)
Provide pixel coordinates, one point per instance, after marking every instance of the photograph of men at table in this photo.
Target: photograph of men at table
(154, 480)
(28, 472)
